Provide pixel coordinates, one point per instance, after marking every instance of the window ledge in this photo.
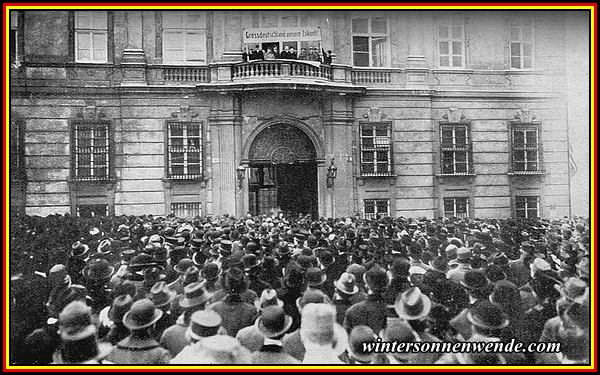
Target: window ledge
(527, 173)
(455, 175)
(93, 180)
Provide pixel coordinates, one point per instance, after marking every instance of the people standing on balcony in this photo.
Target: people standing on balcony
(303, 55)
(293, 54)
(313, 55)
(327, 57)
(257, 54)
(270, 55)
(285, 54)
(276, 52)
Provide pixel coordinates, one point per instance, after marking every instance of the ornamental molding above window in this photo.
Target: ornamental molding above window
(454, 115)
(525, 115)
(91, 113)
(184, 114)
(374, 114)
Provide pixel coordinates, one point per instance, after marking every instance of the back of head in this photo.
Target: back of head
(317, 323)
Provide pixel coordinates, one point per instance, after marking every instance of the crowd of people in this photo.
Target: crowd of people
(274, 289)
(290, 53)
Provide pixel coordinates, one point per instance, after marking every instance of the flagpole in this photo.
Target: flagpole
(569, 156)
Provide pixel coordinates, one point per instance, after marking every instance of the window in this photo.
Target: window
(370, 41)
(91, 37)
(91, 148)
(525, 148)
(184, 37)
(376, 149)
(14, 37)
(184, 150)
(92, 210)
(527, 206)
(17, 150)
(186, 209)
(521, 42)
(375, 207)
(451, 41)
(456, 149)
(456, 207)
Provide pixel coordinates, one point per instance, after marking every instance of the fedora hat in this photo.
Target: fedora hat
(161, 295)
(412, 304)
(75, 322)
(574, 290)
(225, 247)
(250, 261)
(141, 262)
(487, 315)
(119, 307)
(267, 298)
(319, 325)
(191, 275)
(98, 269)
(315, 277)
(203, 323)
(79, 249)
(142, 314)
(183, 265)
(359, 336)
(194, 294)
(273, 321)
(346, 284)
(211, 271)
(474, 279)
(439, 264)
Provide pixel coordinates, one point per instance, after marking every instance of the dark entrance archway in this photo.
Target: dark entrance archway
(283, 172)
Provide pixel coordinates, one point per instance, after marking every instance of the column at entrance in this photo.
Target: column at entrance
(338, 121)
(225, 142)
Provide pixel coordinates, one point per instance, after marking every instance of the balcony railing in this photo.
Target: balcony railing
(280, 68)
(185, 74)
(371, 76)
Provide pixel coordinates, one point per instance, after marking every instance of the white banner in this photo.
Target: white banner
(281, 34)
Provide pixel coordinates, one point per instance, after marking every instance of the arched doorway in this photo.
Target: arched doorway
(282, 171)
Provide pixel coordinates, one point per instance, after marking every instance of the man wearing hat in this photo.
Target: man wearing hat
(118, 309)
(463, 261)
(273, 323)
(319, 335)
(79, 338)
(77, 262)
(97, 274)
(250, 336)
(203, 324)
(162, 296)
(478, 289)
(414, 307)
(140, 347)
(372, 311)
(346, 295)
(195, 298)
(356, 354)
(211, 273)
(487, 321)
(180, 268)
(236, 313)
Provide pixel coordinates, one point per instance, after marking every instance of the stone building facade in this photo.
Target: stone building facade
(420, 113)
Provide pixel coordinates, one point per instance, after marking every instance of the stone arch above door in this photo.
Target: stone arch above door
(283, 140)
